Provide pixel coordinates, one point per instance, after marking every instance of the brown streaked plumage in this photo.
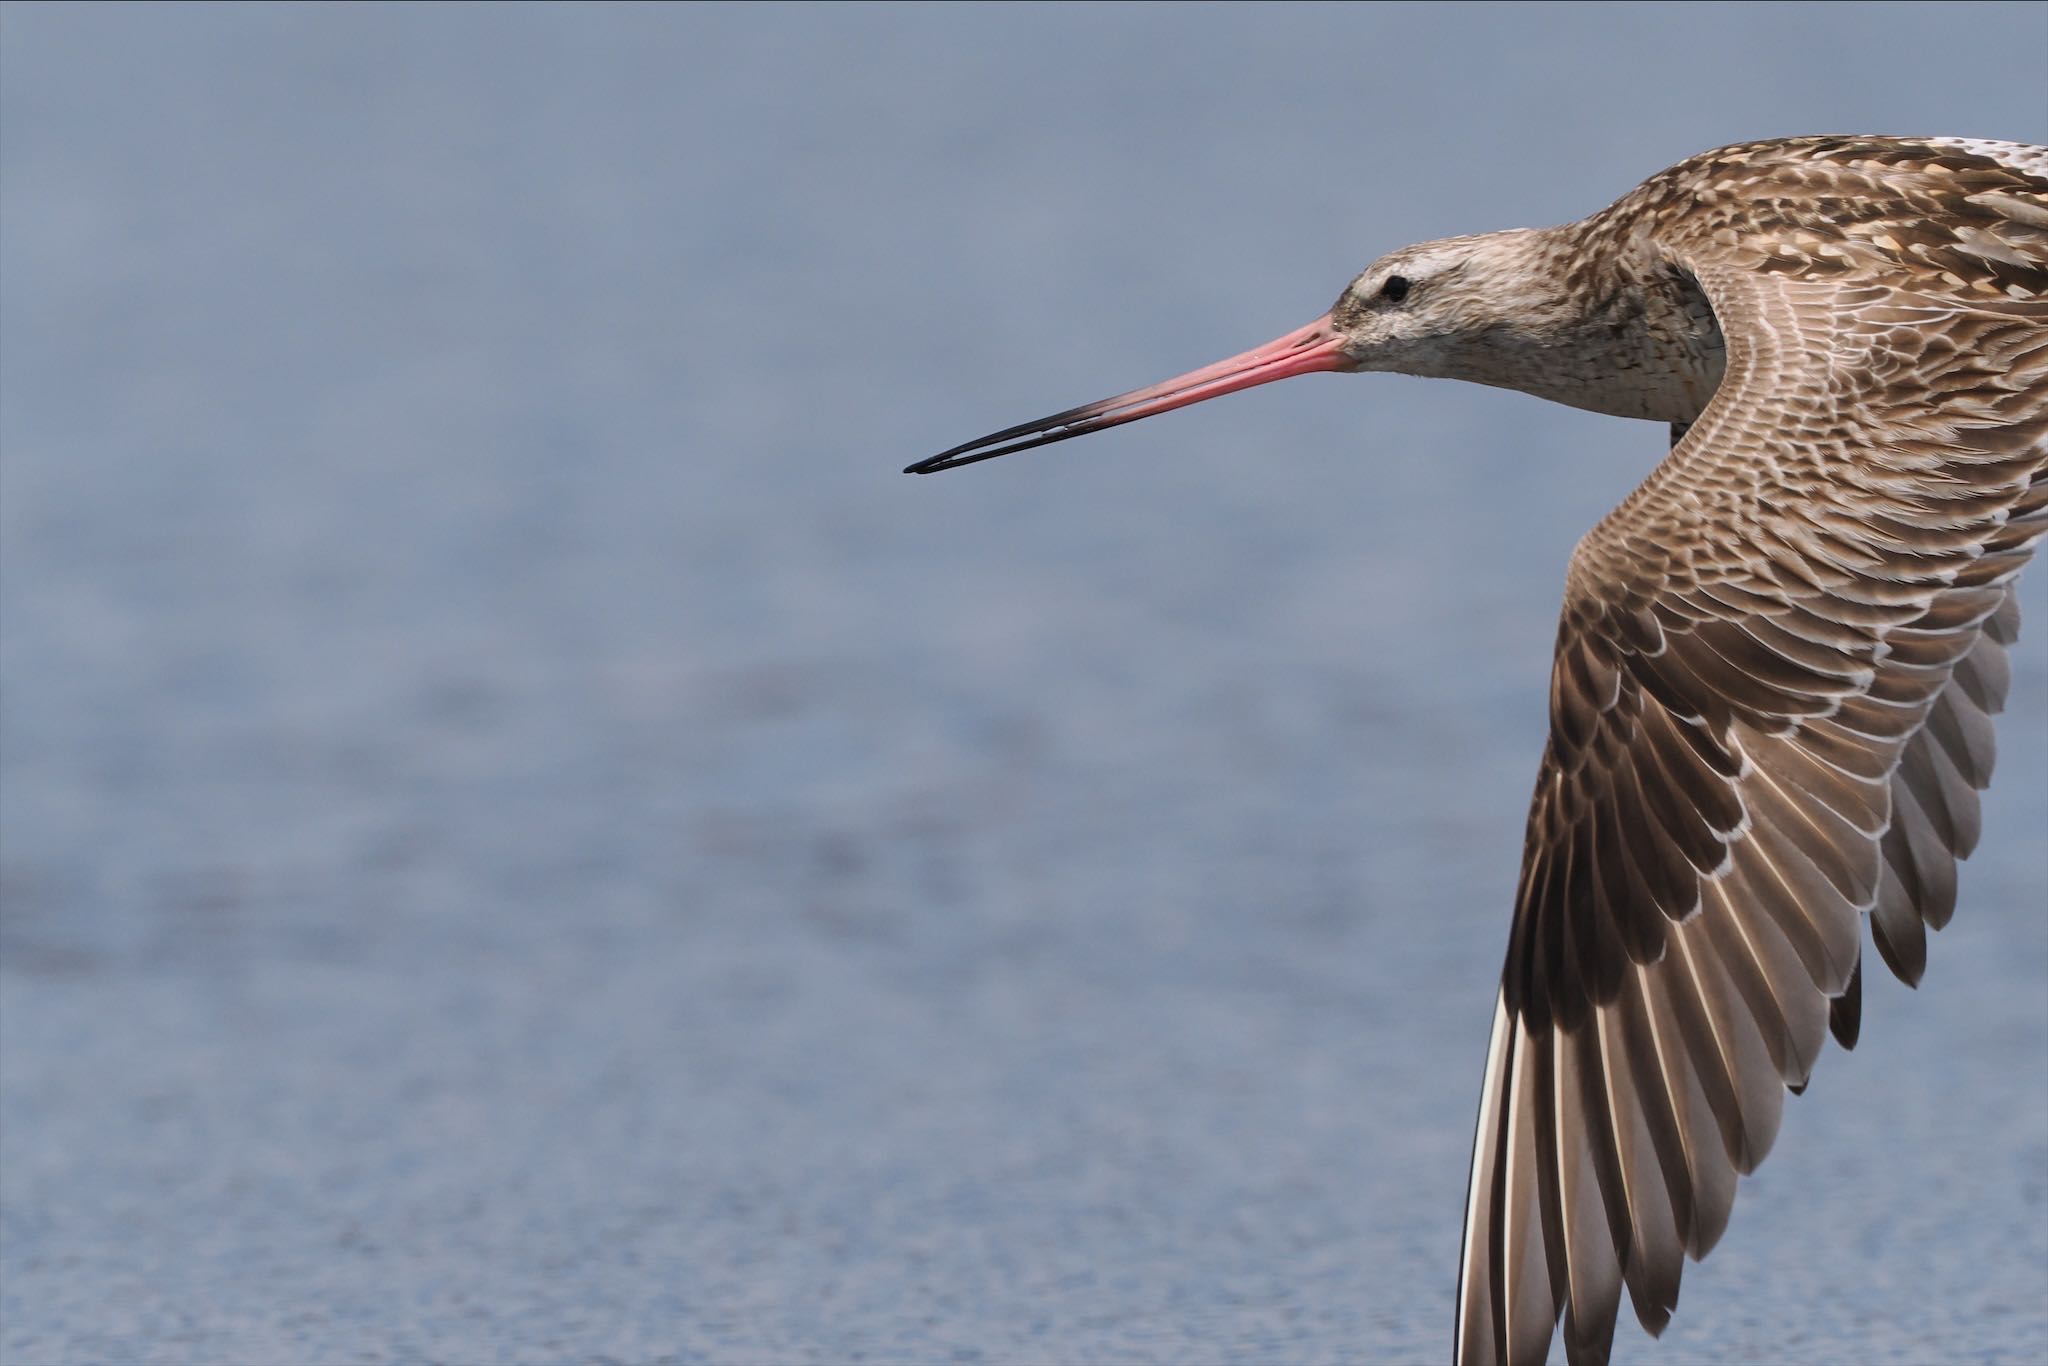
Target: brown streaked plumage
(1776, 664)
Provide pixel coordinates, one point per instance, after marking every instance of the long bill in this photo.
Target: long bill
(1317, 347)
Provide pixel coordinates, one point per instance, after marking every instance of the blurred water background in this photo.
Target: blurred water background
(525, 839)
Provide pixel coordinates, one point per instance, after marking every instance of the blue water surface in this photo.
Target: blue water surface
(525, 839)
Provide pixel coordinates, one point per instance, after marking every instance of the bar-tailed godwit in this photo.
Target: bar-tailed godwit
(1770, 710)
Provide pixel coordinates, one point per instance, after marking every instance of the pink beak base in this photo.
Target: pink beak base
(1305, 351)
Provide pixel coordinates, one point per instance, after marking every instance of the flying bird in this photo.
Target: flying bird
(1776, 666)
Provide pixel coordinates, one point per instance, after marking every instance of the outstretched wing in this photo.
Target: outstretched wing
(1770, 714)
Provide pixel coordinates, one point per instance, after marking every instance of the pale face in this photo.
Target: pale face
(1447, 308)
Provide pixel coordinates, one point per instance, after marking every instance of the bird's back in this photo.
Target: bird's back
(1965, 218)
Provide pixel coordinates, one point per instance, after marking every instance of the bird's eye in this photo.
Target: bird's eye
(1395, 289)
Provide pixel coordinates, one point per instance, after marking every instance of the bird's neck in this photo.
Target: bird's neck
(1615, 331)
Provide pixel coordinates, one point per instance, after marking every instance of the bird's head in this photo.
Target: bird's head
(1464, 308)
(1455, 308)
